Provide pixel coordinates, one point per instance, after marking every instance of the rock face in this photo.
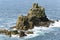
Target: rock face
(35, 17)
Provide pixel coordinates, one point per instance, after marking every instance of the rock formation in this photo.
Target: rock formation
(35, 17)
(21, 34)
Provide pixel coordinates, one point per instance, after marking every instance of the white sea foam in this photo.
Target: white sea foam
(14, 29)
(15, 35)
(38, 30)
(56, 24)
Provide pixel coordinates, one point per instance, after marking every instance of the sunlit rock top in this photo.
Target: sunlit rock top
(37, 11)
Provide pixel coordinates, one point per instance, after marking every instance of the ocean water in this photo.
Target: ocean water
(11, 9)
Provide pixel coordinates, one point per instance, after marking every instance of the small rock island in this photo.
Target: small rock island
(35, 17)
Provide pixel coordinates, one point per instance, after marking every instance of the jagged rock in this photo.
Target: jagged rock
(22, 23)
(36, 17)
(37, 11)
(21, 34)
(35, 5)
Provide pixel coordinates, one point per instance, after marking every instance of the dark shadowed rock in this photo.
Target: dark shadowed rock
(21, 34)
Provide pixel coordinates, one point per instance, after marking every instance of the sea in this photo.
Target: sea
(11, 9)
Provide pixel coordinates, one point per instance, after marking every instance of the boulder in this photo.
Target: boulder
(21, 34)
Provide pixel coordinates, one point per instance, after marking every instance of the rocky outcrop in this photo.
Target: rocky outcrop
(35, 17)
(12, 32)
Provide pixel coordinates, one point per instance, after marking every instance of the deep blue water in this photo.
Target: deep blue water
(11, 9)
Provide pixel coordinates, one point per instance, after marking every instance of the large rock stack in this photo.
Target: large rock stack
(36, 17)
(37, 14)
